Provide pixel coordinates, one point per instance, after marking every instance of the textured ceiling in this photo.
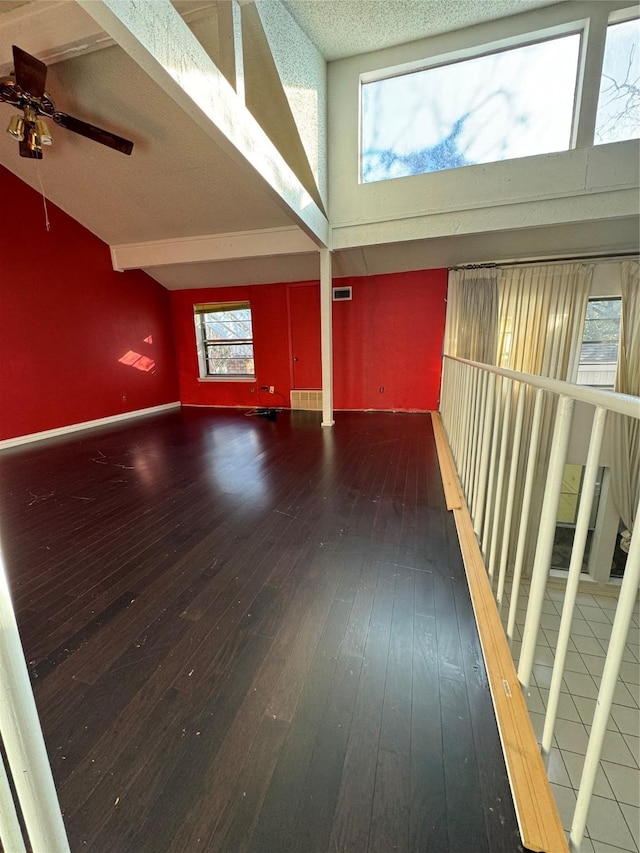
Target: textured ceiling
(8, 5)
(175, 184)
(340, 28)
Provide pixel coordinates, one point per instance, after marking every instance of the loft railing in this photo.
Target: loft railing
(494, 422)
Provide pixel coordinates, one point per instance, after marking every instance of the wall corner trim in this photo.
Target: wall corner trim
(84, 425)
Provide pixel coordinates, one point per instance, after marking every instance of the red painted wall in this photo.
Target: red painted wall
(270, 341)
(390, 336)
(66, 320)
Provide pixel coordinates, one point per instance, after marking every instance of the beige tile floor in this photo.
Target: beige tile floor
(613, 824)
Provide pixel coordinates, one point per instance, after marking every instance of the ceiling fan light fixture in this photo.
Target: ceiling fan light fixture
(33, 138)
(43, 132)
(16, 127)
(26, 90)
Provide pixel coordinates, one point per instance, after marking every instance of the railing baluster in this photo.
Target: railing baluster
(534, 443)
(467, 433)
(446, 395)
(22, 737)
(489, 510)
(504, 441)
(486, 451)
(513, 479)
(457, 415)
(10, 832)
(447, 402)
(546, 533)
(464, 427)
(482, 402)
(472, 427)
(475, 438)
(615, 650)
(573, 578)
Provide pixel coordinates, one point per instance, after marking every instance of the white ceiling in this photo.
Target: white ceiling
(340, 28)
(178, 183)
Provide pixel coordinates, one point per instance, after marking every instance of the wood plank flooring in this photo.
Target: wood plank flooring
(253, 635)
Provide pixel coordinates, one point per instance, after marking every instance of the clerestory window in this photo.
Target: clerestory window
(618, 115)
(513, 103)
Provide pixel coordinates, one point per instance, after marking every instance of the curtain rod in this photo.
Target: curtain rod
(494, 265)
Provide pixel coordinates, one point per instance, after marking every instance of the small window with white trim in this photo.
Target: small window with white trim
(510, 103)
(224, 338)
(600, 341)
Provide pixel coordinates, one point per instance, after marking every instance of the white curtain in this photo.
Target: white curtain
(625, 466)
(542, 311)
(472, 315)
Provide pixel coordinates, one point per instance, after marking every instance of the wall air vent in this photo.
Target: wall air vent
(341, 293)
(308, 401)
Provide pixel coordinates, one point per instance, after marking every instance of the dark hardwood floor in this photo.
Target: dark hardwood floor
(254, 635)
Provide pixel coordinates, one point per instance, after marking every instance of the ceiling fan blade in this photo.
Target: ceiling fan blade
(94, 133)
(30, 72)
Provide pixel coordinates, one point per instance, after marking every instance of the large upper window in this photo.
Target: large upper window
(224, 336)
(618, 115)
(514, 103)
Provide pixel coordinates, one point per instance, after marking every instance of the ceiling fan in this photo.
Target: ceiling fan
(25, 90)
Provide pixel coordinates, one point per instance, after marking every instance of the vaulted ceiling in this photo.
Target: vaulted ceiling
(183, 180)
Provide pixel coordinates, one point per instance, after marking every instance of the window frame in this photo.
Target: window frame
(581, 363)
(577, 27)
(616, 17)
(203, 343)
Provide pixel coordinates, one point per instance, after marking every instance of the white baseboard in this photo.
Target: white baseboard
(112, 419)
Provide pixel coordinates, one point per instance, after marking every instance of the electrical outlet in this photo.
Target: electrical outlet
(272, 389)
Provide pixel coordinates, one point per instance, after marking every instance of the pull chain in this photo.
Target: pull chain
(44, 199)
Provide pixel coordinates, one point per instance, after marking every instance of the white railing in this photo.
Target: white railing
(487, 413)
(25, 749)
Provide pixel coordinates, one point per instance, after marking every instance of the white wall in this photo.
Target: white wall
(303, 73)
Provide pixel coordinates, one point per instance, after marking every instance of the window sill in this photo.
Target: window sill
(226, 379)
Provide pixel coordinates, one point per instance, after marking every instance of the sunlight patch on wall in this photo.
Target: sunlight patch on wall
(137, 360)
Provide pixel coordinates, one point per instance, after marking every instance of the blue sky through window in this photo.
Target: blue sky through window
(504, 105)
